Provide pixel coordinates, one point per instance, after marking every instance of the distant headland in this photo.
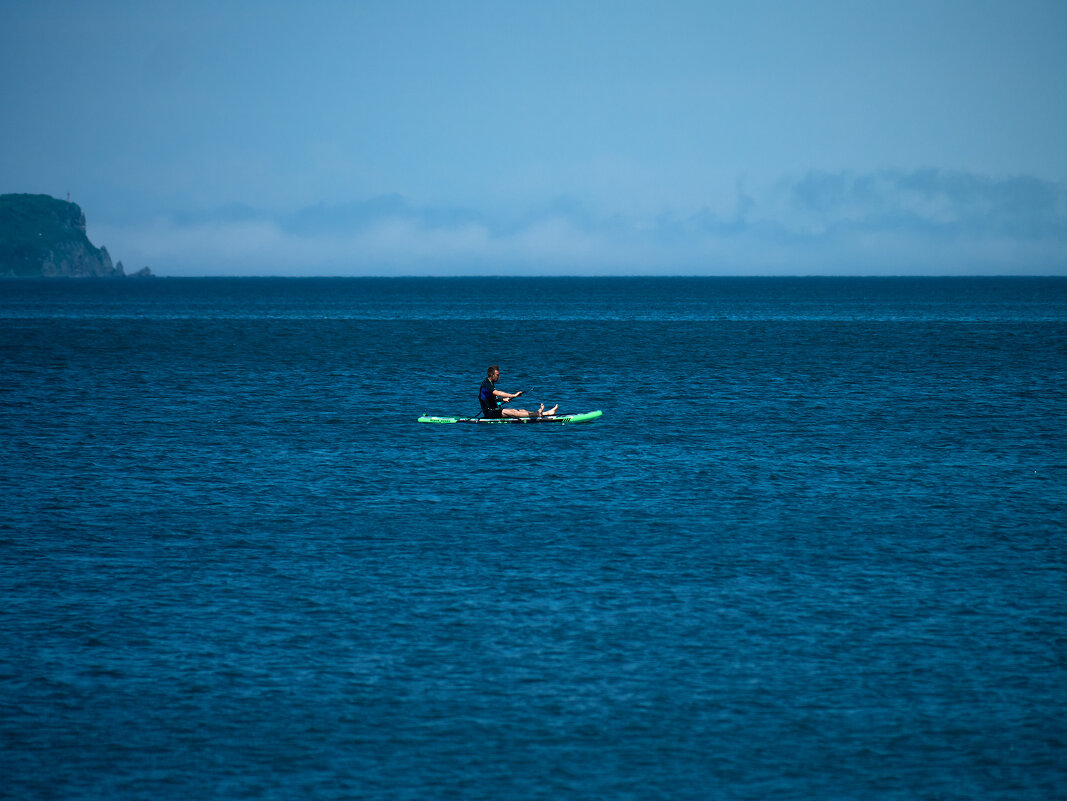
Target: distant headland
(41, 236)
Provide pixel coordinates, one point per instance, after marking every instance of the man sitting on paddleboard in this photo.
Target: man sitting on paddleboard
(493, 399)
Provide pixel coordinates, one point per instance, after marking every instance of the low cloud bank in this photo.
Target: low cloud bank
(887, 223)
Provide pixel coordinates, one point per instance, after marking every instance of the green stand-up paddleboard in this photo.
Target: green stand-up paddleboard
(548, 418)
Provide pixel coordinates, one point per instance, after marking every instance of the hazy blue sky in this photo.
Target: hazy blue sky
(335, 137)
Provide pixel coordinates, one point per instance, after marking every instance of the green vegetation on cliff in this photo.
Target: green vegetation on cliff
(43, 236)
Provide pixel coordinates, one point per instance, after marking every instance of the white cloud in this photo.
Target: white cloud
(890, 222)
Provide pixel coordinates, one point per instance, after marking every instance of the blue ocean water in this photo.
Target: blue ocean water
(815, 547)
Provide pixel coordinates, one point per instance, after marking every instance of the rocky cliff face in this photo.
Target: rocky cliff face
(42, 236)
(74, 260)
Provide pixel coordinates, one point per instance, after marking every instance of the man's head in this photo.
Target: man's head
(493, 373)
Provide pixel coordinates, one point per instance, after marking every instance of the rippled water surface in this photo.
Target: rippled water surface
(815, 547)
